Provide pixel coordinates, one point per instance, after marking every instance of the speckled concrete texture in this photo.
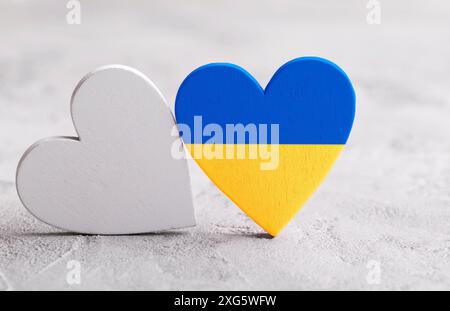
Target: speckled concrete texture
(386, 200)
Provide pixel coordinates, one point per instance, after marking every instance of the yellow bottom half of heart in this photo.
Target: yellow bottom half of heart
(270, 183)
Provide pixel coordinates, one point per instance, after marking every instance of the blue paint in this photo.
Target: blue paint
(311, 99)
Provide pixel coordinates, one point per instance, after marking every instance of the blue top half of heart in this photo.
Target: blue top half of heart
(309, 100)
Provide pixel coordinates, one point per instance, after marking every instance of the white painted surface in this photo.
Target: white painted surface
(119, 177)
(387, 199)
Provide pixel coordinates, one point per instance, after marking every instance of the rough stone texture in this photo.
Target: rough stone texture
(387, 199)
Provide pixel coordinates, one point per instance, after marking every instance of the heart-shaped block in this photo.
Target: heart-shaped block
(267, 150)
(119, 176)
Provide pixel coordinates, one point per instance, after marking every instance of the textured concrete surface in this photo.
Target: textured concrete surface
(386, 200)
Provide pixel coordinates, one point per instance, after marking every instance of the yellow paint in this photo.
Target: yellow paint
(271, 197)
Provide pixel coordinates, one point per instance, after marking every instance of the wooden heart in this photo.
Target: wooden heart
(118, 176)
(267, 150)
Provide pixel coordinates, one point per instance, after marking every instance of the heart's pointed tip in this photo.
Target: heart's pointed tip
(272, 230)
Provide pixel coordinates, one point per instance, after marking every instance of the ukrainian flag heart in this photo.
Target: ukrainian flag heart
(267, 150)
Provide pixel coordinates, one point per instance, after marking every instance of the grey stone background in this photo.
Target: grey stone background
(386, 200)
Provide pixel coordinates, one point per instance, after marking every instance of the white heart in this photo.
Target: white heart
(119, 176)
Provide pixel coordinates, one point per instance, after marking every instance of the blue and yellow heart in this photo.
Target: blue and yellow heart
(267, 149)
